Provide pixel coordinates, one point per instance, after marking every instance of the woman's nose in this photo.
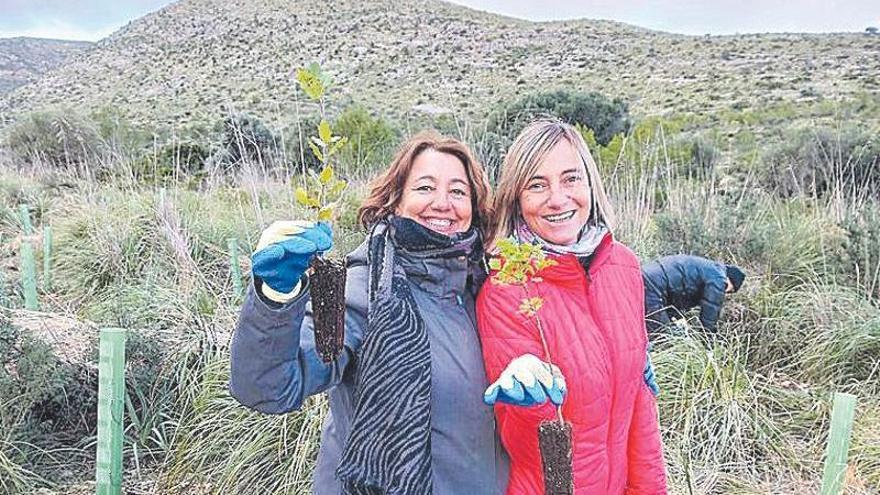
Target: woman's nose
(558, 198)
(441, 202)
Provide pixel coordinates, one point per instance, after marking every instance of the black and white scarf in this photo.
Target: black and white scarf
(388, 451)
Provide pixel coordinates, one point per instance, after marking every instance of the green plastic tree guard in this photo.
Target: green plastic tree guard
(29, 276)
(25, 217)
(111, 393)
(47, 258)
(232, 244)
(837, 450)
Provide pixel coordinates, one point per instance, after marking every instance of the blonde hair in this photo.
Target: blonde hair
(522, 161)
(386, 190)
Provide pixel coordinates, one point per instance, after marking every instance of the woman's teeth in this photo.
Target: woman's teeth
(560, 217)
(439, 223)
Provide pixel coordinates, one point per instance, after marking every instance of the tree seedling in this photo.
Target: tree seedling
(322, 193)
(520, 264)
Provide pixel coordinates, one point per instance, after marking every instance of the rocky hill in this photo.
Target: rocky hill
(199, 58)
(24, 60)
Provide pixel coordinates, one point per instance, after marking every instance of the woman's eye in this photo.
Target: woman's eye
(573, 178)
(536, 187)
(425, 188)
(461, 193)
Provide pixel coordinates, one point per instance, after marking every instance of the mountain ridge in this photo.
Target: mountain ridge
(24, 59)
(197, 59)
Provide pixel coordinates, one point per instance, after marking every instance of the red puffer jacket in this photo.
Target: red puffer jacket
(595, 329)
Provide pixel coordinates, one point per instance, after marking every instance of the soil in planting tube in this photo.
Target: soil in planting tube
(328, 305)
(554, 439)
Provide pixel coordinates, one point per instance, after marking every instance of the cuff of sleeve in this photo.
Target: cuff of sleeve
(274, 300)
(280, 297)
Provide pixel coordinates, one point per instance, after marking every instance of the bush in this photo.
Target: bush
(791, 240)
(172, 161)
(296, 144)
(245, 138)
(119, 134)
(816, 161)
(371, 140)
(62, 139)
(604, 116)
(46, 404)
(861, 257)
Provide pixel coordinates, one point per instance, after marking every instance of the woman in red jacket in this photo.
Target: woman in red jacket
(550, 194)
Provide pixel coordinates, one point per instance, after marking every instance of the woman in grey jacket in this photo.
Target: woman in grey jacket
(406, 411)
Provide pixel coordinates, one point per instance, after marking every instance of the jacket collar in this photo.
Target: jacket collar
(569, 269)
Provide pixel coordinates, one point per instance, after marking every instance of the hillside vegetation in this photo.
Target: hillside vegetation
(24, 60)
(199, 59)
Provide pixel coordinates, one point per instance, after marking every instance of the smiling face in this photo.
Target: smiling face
(555, 202)
(437, 193)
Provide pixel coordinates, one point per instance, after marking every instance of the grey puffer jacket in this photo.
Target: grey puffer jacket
(275, 367)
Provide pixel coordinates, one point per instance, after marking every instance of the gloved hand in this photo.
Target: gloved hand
(527, 381)
(650, 379)
(284, 252)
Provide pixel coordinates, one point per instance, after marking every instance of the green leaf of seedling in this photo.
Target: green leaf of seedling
(338, 145)
(324, 131)
(495, 264)
(322, 76)
(326, 175)
(337, 188)
(310, 82)
(302, 196)
(325, 214)
(317, 151)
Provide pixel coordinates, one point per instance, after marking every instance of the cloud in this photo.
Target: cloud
(64, 19)
(700, 16)
(55, 29)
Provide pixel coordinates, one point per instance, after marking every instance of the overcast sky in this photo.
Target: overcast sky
(94, 19)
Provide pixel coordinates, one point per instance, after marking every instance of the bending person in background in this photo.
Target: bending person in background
(406, 414)
(550, 194)
(675, 284)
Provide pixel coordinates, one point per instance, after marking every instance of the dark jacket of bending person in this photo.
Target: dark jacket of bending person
(675, 284)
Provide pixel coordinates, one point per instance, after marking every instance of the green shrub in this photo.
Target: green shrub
(820, 332)
(371, 141)
(62, 139)
(815, 161)
(119, 134)
(606, 117)
(46, 404)
(792, 240)
(296, 144)
(861, 258)
(245, 138)
(174, 161)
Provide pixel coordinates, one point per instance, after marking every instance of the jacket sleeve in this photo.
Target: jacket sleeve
(505, 335)
(711, 302)
(274, 363)
(646, 472)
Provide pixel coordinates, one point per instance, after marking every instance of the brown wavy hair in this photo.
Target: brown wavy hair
(386, 190)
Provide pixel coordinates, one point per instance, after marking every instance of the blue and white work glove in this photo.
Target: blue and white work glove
(650, 379)
(527, 381)
(283, 255)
